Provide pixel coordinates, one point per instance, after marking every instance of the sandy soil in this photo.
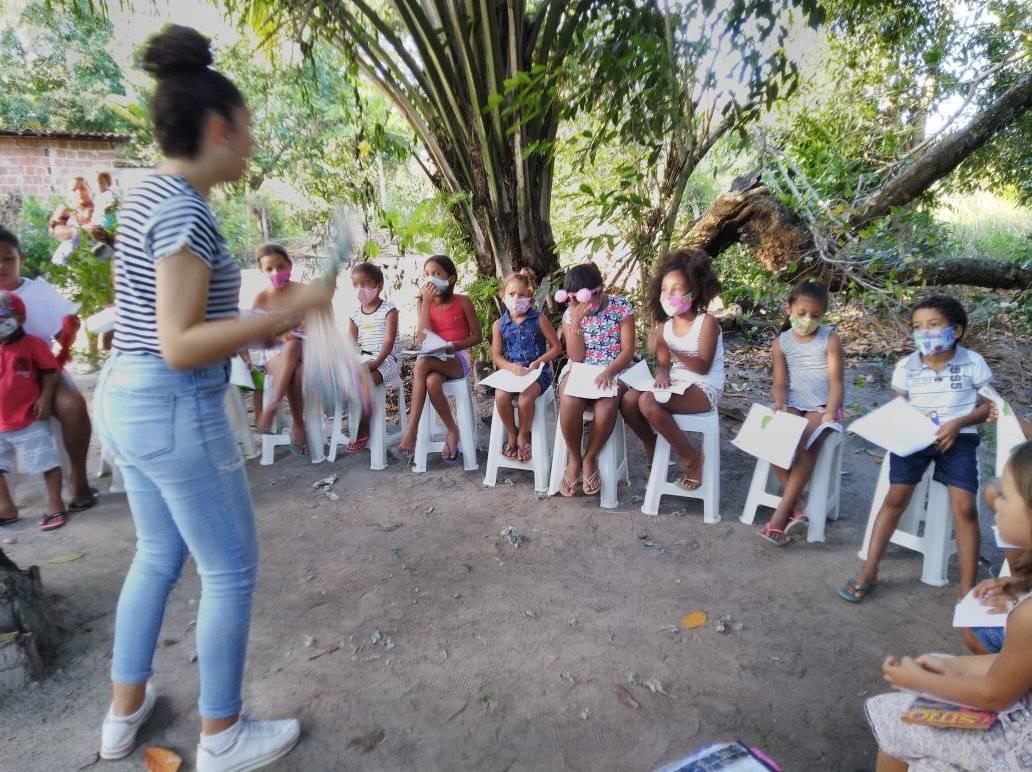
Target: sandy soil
(400, 613)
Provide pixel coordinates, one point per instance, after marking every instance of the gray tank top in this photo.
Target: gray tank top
(808, 384)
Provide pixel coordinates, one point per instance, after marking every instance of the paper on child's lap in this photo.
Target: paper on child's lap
(970, 612)
(897, 426)
(506, 380)
(581, 382)
(770, 436)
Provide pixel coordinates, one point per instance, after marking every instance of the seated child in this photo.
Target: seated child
(281, 357)
(689, 349)
(374, 327)
(1000, 683)
(599, 330)
(521, 340)
(941, 379)
(451, 316)
(28, 376)
(807, 382)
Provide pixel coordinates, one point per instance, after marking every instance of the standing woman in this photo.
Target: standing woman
(161, 409)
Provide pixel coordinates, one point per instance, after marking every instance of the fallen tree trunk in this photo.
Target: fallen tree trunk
(28, 637)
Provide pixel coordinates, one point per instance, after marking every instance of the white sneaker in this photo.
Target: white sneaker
(256, 744)
(118, 735)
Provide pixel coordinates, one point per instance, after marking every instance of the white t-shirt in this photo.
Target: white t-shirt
(950, 393)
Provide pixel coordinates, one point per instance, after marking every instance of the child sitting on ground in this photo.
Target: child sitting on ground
(374, 327)
(941, 379)
(808, 383)
(689, 350)
(599, 330)
(28, 376)
(1000, 683)
(521, 340)
(281, 357)
(451, 317)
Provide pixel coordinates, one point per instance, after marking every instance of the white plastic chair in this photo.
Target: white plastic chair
(240, 378)
(612, 461)
(314, 431)
(379, 437)
(708, 425)
(106, 465)
(824, 488)
(926, 525)
(539, 439)
(430, 426)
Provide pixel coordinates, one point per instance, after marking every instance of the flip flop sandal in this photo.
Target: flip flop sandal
(449, 455)
(52, 522)
(356, 446)
(568, 488)
(592, 485)
(80, 503)
(688, 483)
(299, 449)
(9, 521)
(509, 451)
(799, 522)
(855, 592)
(775, 535)
(524, 453)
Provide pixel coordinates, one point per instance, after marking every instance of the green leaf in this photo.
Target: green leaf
(66, 558)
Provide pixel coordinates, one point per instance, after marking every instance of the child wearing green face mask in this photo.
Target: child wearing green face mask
(807, 382)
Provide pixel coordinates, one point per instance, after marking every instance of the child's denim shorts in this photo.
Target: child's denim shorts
(958, 466)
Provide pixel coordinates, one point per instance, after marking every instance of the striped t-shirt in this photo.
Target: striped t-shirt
(161, 215)
(951, 392)
(372, 328)
(808, 384)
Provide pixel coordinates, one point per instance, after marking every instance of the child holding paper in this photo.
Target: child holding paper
(999, 683)
(941, 379)
(807, 382)
(521, 340)
(599, 330)
(452, 317)
(689, 351)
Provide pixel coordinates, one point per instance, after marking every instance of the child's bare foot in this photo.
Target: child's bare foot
(298, 440)
(407, 444)
(451, 446)
(8, 516)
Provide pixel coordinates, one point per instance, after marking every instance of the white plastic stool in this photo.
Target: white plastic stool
(539, 439)
(612, 461)
(708, 425)
(314, 432)
(930, 507)
(430, 422)
(106, 465)
(237, 414)
(824, 488)
(379, 437)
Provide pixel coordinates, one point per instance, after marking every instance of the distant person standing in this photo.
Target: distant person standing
(70, 218)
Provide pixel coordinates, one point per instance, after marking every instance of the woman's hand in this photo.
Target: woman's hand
(778, 407)
(662, 378)
(932, 663)
(578, 311)
(903, 674)
(604, 380)
(994, 411)
(427, 292)
(518, 369)
(946, 436)
(993, 595)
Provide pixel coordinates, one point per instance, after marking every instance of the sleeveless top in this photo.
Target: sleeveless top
(449, 321)
(524, 342)
(372, 328)
(689, 344)
(163, 214)
(808, 385)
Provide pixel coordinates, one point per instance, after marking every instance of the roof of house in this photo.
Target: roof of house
(99, 136)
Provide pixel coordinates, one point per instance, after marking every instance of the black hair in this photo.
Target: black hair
(188, 89)
(272, 248)
(446, 263)
(697, 268)
(806, 288)
(371, 270)
(583, 276)
(6, 237)
(948, 307)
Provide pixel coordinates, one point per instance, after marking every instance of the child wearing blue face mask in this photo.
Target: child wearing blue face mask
(941, 379)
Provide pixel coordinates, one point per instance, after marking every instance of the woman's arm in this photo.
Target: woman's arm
(475, 333)
(555, 348)
(835, 378)
(702, 362)
(626, 349)
(187, 340)
(390, 333)
(779, 390)
(574, 336)
(426, 297)
(353, 330)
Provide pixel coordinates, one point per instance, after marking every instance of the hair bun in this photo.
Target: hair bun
(177, 50)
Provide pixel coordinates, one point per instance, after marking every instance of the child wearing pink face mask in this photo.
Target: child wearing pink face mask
(281, 357)
(374, 327)
(689, 349)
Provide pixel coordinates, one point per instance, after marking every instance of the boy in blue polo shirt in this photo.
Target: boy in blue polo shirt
(941, 379)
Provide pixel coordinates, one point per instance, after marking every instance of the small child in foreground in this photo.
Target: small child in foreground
(1000, 683)
(28, 376)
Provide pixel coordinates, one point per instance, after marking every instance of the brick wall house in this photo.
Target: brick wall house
(40, 163)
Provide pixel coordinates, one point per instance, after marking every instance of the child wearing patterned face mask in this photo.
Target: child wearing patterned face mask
(689, 349)
(521, 340)
(941, 379)
(374, 328)
(808, 382)
(281, 357)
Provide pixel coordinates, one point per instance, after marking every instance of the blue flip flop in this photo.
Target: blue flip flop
(855, 592)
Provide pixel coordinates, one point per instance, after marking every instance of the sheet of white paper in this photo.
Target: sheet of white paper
(897, 426)
(1008, 430)
(833, 426)
(45, 308)
(504, 380)
(432, 344)
(239, 374)
(770, 436)
(102, 321)
(581, 382)
(1004, 545)
(971, 613)
(640, 378)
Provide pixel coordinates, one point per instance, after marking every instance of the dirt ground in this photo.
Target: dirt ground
(406, 633)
